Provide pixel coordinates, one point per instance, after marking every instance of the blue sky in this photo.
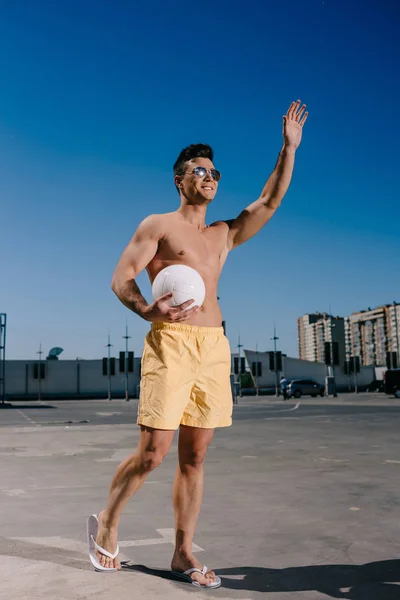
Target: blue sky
(97, 100)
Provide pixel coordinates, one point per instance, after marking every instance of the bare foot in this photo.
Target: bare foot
(107, 538)
(182, 562)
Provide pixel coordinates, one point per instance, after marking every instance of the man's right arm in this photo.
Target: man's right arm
(137, 255)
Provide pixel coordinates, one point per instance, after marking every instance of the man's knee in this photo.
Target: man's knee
(151, 459)
(192, 458)
(152, 448)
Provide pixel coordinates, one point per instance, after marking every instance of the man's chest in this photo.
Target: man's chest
(192, 247)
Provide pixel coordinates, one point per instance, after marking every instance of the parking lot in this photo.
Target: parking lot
(301, 501)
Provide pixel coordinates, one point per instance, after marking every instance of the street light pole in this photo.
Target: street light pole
(275, 364)
(3, 328)
(239, 347)
(332, 358)
(39, 372)
(355, 376)
(256, 373)
(126, 337)
(109, 345)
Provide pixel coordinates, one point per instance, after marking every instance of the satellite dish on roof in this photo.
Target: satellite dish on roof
(54, 353)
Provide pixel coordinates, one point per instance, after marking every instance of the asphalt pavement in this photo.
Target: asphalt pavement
(302, 501)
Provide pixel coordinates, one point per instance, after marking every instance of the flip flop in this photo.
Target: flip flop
(185, 576)
(92, 529)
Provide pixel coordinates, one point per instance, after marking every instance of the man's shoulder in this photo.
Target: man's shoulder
(156, 221)
(220, 224)
(153, 226)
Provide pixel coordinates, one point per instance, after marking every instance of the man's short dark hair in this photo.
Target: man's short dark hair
(192, 151)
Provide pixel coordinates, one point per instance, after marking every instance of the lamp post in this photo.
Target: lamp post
(3, 327)
(355, 375)
(256, 369)
(275, 338)
(39, 372)
(108, 346)
(332, 359)
(126, 337)
(239, 347)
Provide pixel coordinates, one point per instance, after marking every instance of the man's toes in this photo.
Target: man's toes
(210, 575)
(101, 559)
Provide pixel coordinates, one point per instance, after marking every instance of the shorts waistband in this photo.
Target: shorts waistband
(184, 327)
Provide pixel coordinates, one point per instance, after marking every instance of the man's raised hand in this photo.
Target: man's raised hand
(293, 123)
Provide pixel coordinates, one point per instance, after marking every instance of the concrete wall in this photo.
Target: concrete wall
(67, 378)
(295, 368)
(84, 378)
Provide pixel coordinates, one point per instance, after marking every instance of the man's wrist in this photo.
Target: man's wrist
(141, 309)
(143, 312)
(288, 149)
(136, 305)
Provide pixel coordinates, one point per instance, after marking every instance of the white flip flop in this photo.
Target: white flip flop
(92, 529)
(185, 576)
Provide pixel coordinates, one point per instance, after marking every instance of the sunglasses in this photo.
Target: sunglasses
(202, 172)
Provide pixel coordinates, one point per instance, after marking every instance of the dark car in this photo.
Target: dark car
(391, 379)
(305, 387)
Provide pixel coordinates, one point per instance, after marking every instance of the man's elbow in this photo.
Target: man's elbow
(114, 284)
(274, 204)
(272, 201)
(120, 284)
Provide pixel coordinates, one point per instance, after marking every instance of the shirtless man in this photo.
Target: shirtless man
(186, 360)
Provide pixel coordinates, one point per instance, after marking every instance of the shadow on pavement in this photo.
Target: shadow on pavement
(372, 581)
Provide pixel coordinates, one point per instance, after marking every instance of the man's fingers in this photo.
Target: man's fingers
(190, 311)
(185, 304)
(186, 314)
(300, 113)
(165, 297)
(304, 119)
(293, 109)
(290, 110)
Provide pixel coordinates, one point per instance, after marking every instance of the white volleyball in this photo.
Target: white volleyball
(184, 282)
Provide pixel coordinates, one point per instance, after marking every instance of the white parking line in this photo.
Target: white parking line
(28, 418)
(168, 537)
(285, 410)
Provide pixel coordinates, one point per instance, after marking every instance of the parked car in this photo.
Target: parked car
(305, 387)
(391, 379)
(375, 386)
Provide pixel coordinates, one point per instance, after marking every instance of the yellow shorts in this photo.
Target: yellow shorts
(185, 377)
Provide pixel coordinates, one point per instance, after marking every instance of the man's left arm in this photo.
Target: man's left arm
(257, 214)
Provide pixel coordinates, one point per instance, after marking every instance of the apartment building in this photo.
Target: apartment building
(371, 334)
(316, 329)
